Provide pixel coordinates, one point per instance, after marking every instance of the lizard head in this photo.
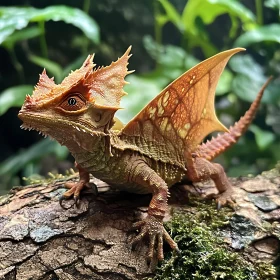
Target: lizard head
(84, 102)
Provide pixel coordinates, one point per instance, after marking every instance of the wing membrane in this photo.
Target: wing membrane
(178, 119)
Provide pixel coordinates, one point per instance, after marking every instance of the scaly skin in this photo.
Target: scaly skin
(155, 150)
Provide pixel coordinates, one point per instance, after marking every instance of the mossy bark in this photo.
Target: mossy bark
(40, 240)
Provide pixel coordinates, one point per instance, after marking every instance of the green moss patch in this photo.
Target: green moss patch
(204, 253)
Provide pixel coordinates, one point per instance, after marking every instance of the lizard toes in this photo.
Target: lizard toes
(135, 241)
(153, 228)
(225, 198)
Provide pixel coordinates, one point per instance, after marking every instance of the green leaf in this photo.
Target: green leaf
(224, 84)
(250, 79)
(269, 32)
(70, 15)
(11, 19)
(209, 10)
(17, 18)
(171, 14)
(51, 66)
(273, 4)
(15, 163)
(20, 35)
(199, 12)
(171, 57)
(13, 97)
(141, 91)
(263, 138)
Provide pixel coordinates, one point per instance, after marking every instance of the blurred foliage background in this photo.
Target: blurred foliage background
(168, 37)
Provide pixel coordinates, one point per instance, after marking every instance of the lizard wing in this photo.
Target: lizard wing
(176, 121)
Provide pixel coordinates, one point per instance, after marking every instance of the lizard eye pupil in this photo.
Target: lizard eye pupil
(72, 101)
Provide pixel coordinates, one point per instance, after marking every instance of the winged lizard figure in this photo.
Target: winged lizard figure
(156, 149)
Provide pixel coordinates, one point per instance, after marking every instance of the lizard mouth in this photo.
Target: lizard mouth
(35, 122)
(29, 127)
(45, 125)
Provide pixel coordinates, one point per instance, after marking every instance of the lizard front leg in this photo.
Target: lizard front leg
(76, 187)
(152, 225)
(200, 169)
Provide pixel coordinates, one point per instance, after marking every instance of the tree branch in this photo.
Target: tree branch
(41, 240)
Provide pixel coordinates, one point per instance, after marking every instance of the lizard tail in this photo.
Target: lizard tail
(222, 142)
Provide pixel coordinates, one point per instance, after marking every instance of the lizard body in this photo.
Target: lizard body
(156, 149)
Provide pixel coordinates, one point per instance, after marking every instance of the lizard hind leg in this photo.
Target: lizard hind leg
(75, 188)
(152, 226)
(200, 169)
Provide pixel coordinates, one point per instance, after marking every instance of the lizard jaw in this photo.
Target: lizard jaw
(28, 127)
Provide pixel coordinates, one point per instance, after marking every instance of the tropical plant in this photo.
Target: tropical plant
(185, 32)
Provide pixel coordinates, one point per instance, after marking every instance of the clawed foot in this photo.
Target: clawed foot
(75, 189)
(225, 198)
(154, 229)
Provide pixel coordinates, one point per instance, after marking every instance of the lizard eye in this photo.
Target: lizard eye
(74, 102)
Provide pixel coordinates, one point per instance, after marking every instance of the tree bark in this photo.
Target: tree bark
(41, 240)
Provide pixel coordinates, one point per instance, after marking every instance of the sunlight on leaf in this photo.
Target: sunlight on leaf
(16, 18)
(209, 10)
(11, 19)
(20, 35)
(70, 15)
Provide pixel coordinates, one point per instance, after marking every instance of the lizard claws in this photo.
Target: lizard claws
(225, 198)
(154, 229)
(75, 189)
(219, 205)
(77, 200)
(61, 199)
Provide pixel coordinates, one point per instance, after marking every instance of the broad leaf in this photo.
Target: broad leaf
(23, 34)
(16, 18)
(260, 34)
(209, 10)
(175, 61)
(70, 15)
(13, 97)
(250, 78)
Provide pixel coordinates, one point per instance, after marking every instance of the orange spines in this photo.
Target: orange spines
(222, 142)
(106, 84)
(43, 87)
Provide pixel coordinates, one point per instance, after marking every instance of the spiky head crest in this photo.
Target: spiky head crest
(103, 86)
